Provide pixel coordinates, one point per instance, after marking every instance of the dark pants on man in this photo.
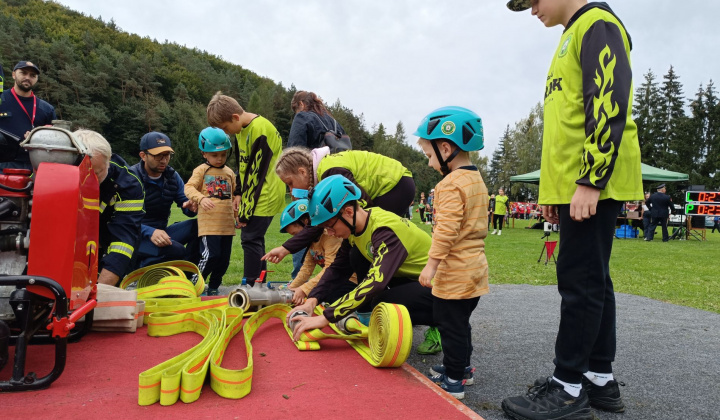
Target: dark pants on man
(646, 224)
(662, 221)
(182, 234)
(252, 239)
(452, 318)
(215, 251)
(586, 336)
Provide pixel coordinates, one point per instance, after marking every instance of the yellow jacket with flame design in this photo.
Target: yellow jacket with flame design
(589, 136)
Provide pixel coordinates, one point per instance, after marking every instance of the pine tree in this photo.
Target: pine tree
(671, 116)
(645, 113)
(496, 163)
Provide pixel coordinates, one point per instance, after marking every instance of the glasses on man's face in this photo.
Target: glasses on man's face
(161, 156)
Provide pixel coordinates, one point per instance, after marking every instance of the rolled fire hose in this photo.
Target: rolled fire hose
(386, 343)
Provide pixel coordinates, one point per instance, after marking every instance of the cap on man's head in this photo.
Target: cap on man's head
(661, 186)
(155, 143)
(26, 65)
(519, 5)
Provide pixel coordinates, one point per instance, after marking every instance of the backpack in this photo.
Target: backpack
(333, 139)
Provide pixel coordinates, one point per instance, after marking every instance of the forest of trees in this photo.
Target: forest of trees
(123, 85)
(675, 133)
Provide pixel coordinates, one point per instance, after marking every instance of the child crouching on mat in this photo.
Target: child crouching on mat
(321, 251)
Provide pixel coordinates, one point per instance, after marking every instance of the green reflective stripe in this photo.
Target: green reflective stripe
(121, 248)
(102, 206)
(129, 205)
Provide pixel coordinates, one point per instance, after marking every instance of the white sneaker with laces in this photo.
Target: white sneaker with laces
(494, 232)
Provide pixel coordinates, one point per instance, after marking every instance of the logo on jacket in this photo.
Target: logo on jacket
(564, 48)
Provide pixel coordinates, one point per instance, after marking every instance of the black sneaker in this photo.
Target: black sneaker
(456, 389)
(548, 401)
(469, 378)
(606, 398)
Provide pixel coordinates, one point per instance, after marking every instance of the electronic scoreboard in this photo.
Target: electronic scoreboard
(702, 203)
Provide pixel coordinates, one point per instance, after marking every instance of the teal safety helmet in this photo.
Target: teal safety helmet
(292, 213)
(456, 124)
(213, 139)
(329, 196)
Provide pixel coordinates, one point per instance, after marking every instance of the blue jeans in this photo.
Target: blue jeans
(297, 262)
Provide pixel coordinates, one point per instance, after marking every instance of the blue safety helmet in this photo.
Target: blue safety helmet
(456, 124)
(329, 196)
(292, 213)
(213, 139)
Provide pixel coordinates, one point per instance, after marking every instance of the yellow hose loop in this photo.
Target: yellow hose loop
(161, 278)
(182, 305)
(166, 382)
(182, 377)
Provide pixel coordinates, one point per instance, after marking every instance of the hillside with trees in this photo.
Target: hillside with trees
(123, 85)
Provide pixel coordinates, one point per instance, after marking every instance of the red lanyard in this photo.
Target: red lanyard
(32, 119)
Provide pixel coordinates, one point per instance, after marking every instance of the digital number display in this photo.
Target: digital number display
(702, 196)
(702, 209)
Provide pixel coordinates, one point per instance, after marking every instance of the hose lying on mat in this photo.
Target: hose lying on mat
(389, 337)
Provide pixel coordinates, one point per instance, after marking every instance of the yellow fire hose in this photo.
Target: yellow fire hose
(389, 337)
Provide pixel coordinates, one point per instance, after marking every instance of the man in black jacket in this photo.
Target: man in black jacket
(660, 205)
(163, 186)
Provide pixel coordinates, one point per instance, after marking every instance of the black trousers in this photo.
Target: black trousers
(215, 253)
(655, 221)
(452, 318)
(646, 224)
(252, 239)
(422, 214)
(398, 199)
(586, 336)
(501, 218)
(407, 292)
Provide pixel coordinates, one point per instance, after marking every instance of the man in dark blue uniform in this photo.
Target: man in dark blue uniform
(163, 186)
(121, 207)
(20, 112)
(660, 205)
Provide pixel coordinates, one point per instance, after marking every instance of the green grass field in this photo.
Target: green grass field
(679, 272)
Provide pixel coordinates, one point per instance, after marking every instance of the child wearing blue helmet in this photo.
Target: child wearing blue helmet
(456, 270)
(211, 186)
(321, 252)
(396, 249)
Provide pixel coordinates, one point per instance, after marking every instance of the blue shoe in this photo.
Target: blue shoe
(469, 378)
(456, 389)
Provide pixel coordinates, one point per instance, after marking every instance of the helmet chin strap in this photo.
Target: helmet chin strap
(349, 226)
(444, 168)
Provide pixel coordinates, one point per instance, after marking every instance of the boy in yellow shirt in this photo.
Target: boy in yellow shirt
(260, 194)
(457, 269)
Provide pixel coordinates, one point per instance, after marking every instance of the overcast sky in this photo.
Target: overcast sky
(397, 60)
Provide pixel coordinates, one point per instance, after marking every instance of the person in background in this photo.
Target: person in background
(491, 209)
(421, 207)
(20, 112)
(660, 205)
(499, 212)
(716, 224)
(312, 120)
(646, 217)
